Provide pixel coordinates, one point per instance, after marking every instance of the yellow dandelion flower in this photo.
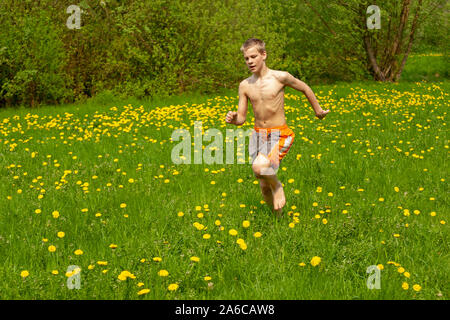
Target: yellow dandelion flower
(163, 273)
(380, 266)
(406, 274)
(52, 248)
(195, 259)
(302, 264)
(324, 221)
(143, 291)
(78, 252)
(123, 205)
(405, 285)
(246, 223)
(55, 272)
(401, 270)
(157, 259)
(173, 287)
(206, 236)
(257, 234)
(61, 234)
(315, 261)
(198, 226)
(24, 274)
(55, 214)
(207, 278)
(113, 246)
(232, 232)
(417, 288)
(180, 214)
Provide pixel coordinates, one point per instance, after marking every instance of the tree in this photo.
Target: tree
(386, 49)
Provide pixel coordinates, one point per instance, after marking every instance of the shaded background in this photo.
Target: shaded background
(160, 48)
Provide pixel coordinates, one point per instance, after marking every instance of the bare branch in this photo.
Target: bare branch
(320, 17)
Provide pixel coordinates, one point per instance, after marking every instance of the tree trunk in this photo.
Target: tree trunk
(411, 39)
(397, 45)
(378, 75)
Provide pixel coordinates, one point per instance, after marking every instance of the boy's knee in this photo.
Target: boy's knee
(260, 165)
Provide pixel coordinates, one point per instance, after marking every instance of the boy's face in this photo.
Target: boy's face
(254, 59)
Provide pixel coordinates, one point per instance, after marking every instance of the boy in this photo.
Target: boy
(271, 139)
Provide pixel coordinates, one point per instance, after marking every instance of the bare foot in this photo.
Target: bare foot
(279, 199)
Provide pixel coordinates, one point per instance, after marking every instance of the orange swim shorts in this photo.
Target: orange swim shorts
(274, 143)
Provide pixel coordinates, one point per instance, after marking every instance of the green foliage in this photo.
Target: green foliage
(31, 60)
(166, 47)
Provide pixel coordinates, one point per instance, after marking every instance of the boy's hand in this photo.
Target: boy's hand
(231, 117)
(321, 114)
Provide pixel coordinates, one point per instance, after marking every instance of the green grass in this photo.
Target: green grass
(428, 67)
(403, 125)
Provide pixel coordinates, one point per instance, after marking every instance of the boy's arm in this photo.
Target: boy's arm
(238, 118)
(287, 79)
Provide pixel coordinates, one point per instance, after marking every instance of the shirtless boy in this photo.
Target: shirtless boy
(271, 138)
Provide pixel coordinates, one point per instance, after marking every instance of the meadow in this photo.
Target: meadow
(94, 186)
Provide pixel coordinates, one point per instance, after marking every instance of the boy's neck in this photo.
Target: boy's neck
(264, 71)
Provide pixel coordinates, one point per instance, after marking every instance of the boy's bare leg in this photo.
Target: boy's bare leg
(266, 191)
(261, 168)
(279, 199)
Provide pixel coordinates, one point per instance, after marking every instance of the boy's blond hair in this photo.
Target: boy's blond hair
(260, 45)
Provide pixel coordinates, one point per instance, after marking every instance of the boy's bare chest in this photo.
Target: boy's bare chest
(264, 91)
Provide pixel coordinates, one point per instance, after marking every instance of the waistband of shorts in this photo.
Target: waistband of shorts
(285, 126)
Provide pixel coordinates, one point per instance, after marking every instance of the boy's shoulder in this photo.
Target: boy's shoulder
(246, 80)
(280, 75)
